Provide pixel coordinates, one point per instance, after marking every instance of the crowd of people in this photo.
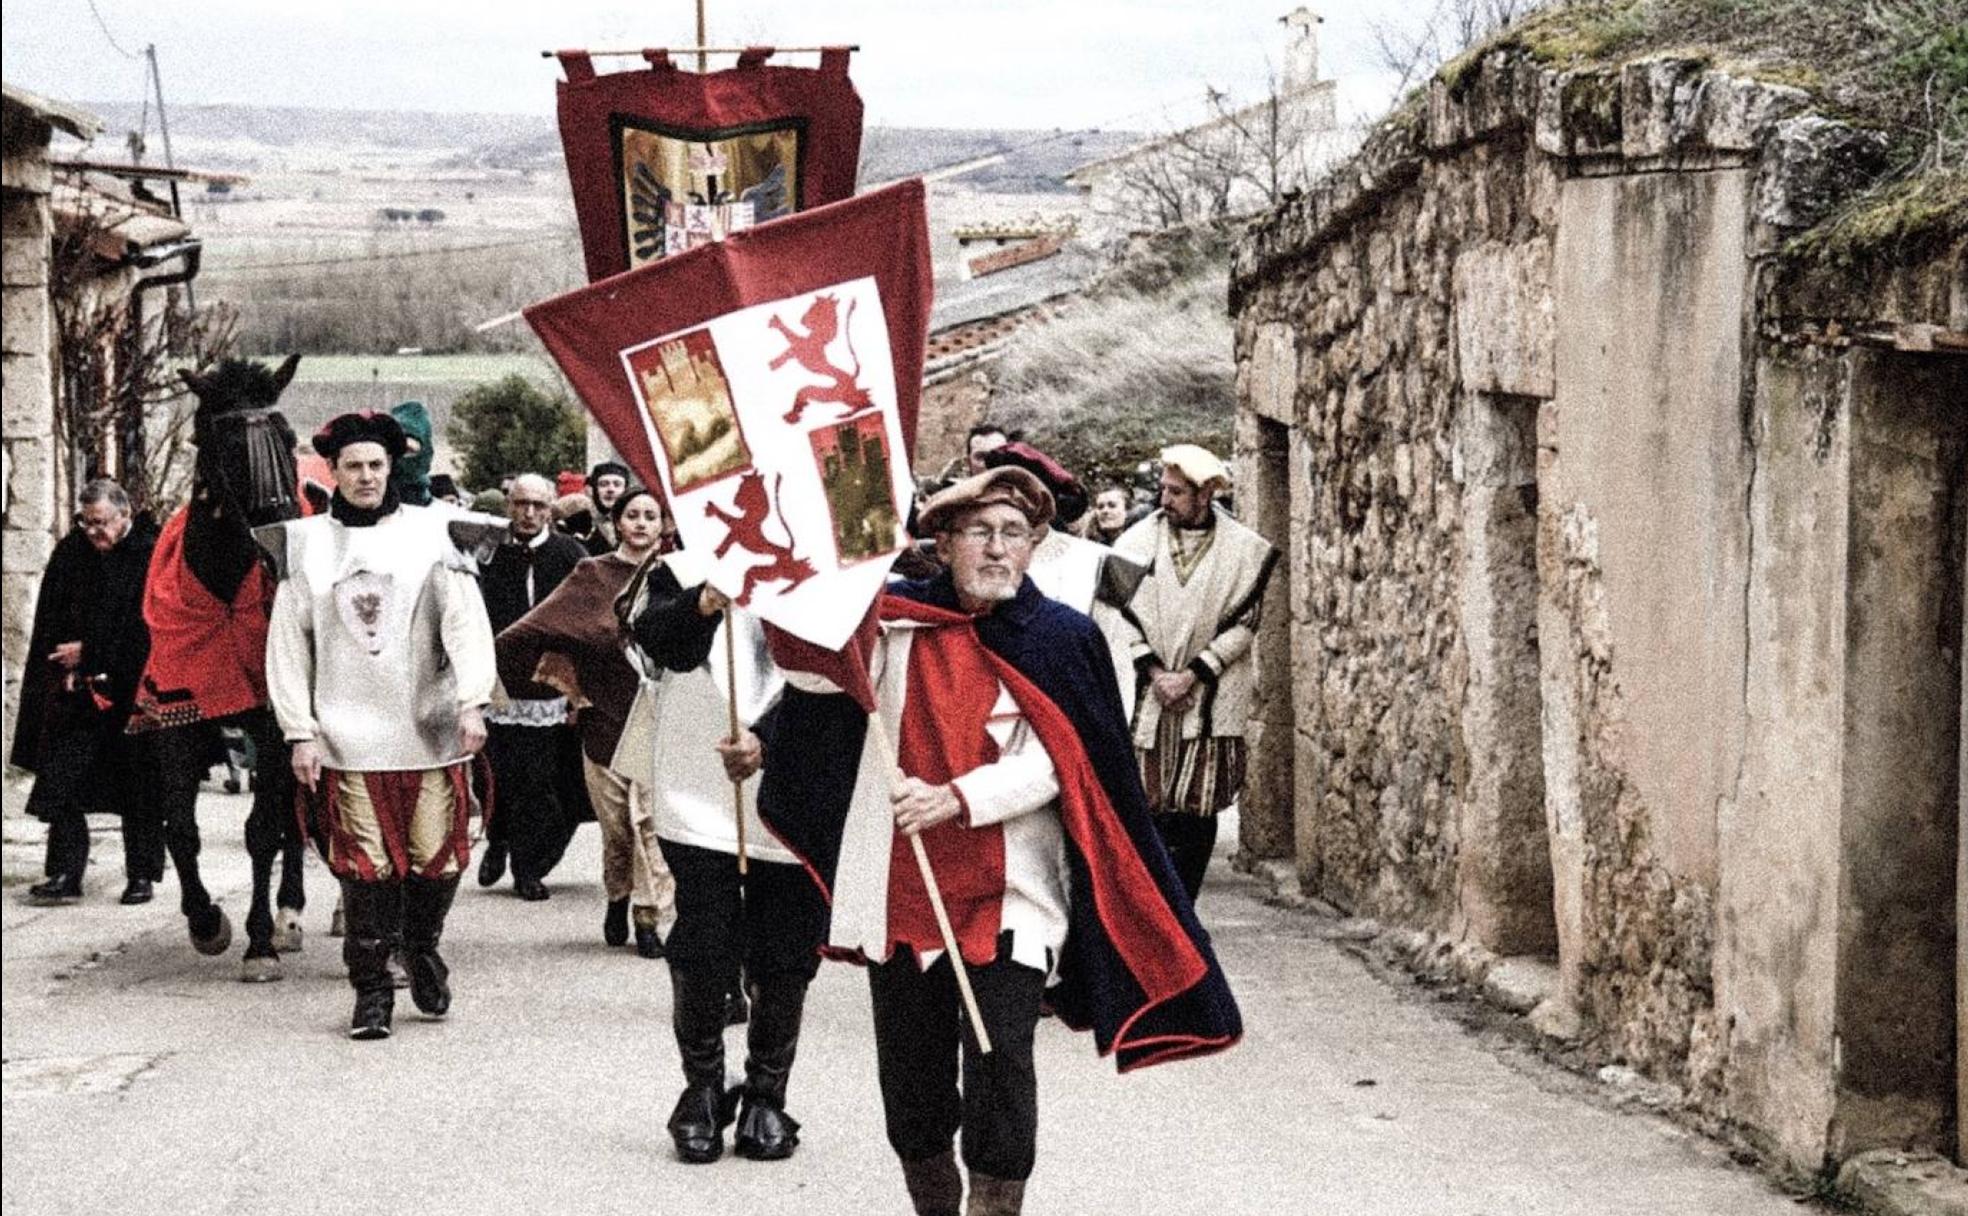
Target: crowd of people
(1065, 674)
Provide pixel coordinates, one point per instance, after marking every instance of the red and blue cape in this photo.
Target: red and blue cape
(1137, 969)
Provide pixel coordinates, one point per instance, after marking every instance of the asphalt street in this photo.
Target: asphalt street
(143, 1078)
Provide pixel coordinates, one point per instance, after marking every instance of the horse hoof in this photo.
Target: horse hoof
(259, 970)
(287, 933)
(213, 937)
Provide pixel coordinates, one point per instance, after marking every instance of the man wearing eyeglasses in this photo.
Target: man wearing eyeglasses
(1017, 777)
(536, 758)
(87, 653)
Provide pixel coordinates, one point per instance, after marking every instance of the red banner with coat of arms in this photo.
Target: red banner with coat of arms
(663, 160)
(769, 384)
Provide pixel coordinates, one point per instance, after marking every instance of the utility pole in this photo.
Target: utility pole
(170, 161)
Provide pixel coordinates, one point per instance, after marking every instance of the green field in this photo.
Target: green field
(446, 370)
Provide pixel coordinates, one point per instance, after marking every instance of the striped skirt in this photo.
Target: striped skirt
(1193, 776)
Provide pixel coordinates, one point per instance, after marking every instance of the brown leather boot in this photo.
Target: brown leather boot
(935, 1186)
(995, 1196)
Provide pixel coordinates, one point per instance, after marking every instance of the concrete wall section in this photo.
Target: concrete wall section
(1777, 916)
(1902, 754)
(1644, 559)
(1264, 482)
(1504, 866)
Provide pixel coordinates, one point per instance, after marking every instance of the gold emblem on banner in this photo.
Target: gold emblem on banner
(682, 189)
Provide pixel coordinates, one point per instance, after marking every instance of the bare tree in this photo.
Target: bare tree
(1242, 159)
(120, 405)
(1412, 49)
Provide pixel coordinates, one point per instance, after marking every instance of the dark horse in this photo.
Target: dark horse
(207, 601)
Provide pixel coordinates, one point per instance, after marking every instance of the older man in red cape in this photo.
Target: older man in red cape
(1019, 778)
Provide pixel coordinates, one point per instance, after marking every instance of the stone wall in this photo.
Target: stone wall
(1624, 582)
(28, 517)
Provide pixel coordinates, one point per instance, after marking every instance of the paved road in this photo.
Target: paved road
(142, 1078)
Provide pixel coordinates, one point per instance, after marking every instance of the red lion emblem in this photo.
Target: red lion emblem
(823, 324)
(747, 530)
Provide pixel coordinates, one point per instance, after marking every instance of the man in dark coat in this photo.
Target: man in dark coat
(535, 755)
(87, 655)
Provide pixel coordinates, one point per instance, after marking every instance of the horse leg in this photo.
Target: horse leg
(178, 763)
(269, 827)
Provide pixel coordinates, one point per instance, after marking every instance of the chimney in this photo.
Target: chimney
(1301, 49)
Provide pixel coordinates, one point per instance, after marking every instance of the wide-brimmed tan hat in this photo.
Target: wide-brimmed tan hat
(1010, 486)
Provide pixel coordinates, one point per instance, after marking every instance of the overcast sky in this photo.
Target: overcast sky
(1130, 64)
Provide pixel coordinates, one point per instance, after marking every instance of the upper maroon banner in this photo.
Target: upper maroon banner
(662, 160)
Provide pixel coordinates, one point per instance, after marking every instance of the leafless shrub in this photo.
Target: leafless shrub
(121, 409)
(1411, 49)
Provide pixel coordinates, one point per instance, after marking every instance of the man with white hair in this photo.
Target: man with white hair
(535, 755)
(1198, 613)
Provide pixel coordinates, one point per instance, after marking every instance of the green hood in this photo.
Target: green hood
(410, 475)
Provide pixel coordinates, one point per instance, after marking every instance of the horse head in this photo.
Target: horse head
(245, 446)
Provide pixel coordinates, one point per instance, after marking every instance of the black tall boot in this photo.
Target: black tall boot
(426, 902)
(765, 1131)
(703, 1110)
(372, 910)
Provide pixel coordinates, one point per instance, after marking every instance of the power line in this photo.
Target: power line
(104, 27)
(358, 259)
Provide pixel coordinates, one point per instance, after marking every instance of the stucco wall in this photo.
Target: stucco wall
(1777, 918)
(1643, 552)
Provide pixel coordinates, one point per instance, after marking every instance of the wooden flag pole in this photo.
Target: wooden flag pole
(699, 51)
(731, 700)
(936, 900)
(703, 65)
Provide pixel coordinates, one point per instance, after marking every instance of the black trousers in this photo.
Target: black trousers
(770, 921)
(933, 1081)
(534, 813)
(1190, 839)
(89, 765)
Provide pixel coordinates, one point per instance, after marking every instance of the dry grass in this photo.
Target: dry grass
(1143, 361)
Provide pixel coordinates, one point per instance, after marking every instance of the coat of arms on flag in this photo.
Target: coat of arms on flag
(769, 384)
(662, 160)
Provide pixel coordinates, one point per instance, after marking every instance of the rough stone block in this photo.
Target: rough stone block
(25, 550)
(1504, 318)
(1658, 99)
(27, 395)
(28, 173)
(30, 483)
(26, 215)
(1520, 984)
(24, 261)
(1810, 165)
(1736, 115)
(1273, 391)
(1579, 114)
(25, 321)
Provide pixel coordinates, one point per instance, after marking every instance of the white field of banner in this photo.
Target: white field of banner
(776, 433)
